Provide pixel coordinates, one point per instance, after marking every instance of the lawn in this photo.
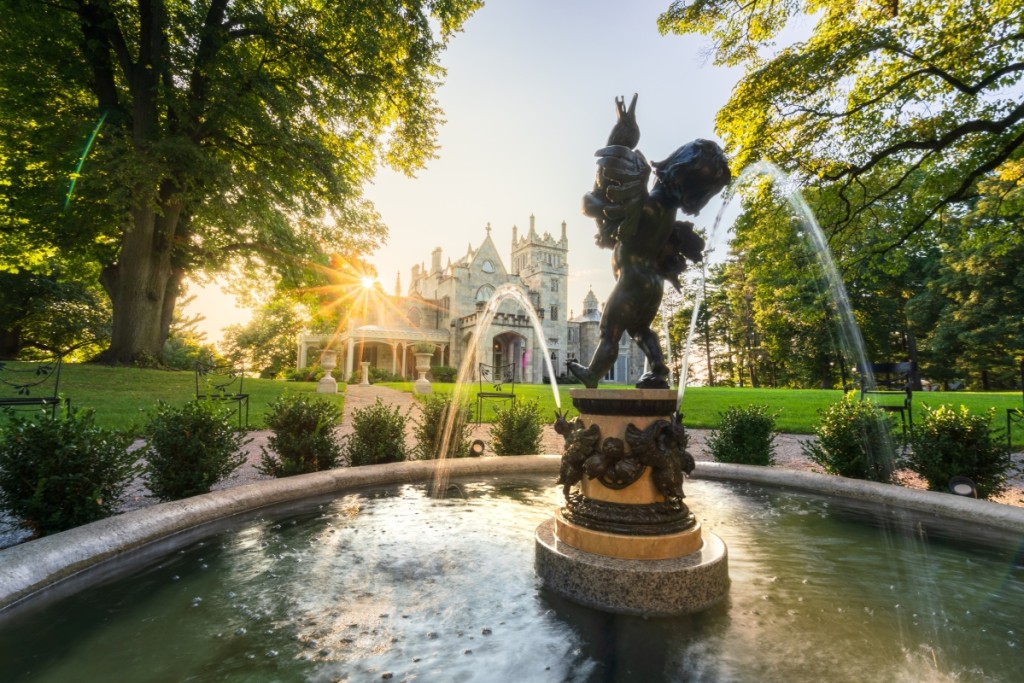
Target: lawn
(123, 397)
(797, 409)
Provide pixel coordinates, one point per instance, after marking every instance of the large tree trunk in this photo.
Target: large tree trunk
(143, 286)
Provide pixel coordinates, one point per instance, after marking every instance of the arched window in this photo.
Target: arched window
(485, 293)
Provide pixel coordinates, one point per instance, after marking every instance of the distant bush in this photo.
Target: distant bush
(444, 373)
(60, 472)
(304, 439)
(377, 375)
(745, 436)
(517, 429)
(310, 373)
(378, 435)
(950, 442)
(855, 440)
(429, 428)
(183, 351)
(190, 448)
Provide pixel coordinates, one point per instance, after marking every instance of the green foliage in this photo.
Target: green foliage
(205, 112)
(900, 124)
(854, 440)
(266, 344)
(435, 413)
(190, 448)
(517, 429)
(378, 435)
(444, 373)
(744, 436)
(303, 439)
(310, 373)
(951, 442)
(59, 472)
(377, 376)
(186, 344)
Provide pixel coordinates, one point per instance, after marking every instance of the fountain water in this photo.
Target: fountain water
(395, 583)
(467, 366)
(850, 342)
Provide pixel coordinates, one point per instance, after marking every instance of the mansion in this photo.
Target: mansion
(445, 304)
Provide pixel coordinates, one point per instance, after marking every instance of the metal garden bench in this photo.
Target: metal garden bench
(223, 382)
(30, 384)
(497, 383)
(886, 382)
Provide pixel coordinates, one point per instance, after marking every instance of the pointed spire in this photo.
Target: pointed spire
(398, 283)
(563, 231)
(515, 235)
(488, 228)
(533, 225)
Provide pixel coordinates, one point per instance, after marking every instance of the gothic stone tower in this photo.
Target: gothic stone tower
(542, 265)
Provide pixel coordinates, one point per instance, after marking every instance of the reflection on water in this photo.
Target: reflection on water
(397, 582)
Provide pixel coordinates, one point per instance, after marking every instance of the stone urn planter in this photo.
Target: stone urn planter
(422, 384)
(327, 383)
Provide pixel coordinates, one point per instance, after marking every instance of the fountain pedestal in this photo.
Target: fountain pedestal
(625, 542)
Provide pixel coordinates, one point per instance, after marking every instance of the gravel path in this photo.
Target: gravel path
(788, 454)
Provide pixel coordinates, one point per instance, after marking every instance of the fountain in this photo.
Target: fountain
(625, 541)
(382, 580)
(422, 570)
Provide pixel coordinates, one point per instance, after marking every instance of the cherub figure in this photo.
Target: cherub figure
(648, 244)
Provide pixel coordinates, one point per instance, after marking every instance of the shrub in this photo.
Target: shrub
(310, 373)
(951, 442)
(378, 435)
(377, 375)
(854, 440)
(443, 373)
(303, 439)
(190, 448)
(429, 428)
(517, 429)
(744, 436)
(57, 472)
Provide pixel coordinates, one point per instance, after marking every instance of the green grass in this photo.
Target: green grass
(123, 397)
(797, 408)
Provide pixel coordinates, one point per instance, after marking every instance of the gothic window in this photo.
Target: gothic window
(485, 293)
(554, 284)
(487, 267)
(554, 312)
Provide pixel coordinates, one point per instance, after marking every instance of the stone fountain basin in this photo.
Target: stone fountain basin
(383, 579)
(64, 563)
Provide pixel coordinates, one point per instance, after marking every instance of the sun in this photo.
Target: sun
(368, 281)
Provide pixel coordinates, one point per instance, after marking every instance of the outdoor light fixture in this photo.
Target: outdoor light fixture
(476, 449)
(962, 486)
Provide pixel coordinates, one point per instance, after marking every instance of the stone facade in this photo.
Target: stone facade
(445, 305)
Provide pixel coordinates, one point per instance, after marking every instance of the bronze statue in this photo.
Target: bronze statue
(648, 244)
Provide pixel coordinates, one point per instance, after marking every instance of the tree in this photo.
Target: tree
(228, 130)
(975, 302)
(888, 105)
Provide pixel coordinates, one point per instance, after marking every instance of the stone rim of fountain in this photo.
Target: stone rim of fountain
(61, 564)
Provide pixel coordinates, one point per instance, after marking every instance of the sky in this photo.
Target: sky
(528, 98)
